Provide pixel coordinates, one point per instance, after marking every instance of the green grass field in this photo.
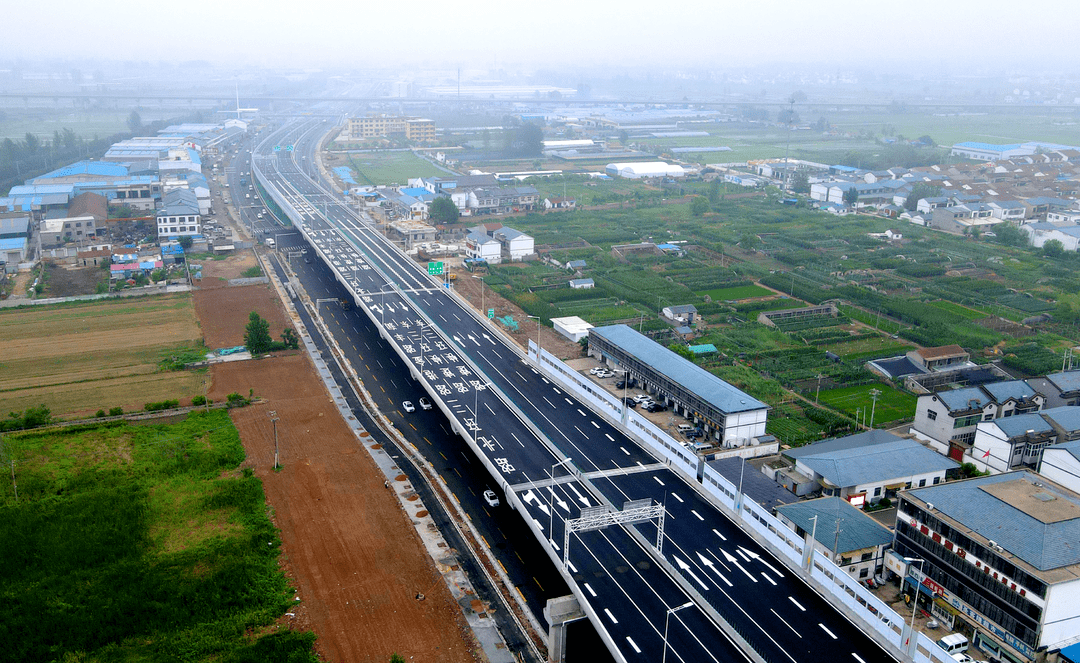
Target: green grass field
(140, 543)
(390, 167)
(736, 293)
(892, 405)
(962, 311)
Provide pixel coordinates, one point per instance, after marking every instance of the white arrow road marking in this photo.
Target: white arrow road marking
(530, 496)
(686, 569)
(735, 560)
(712, 567)
(558, 500)
(581, 499)
(754, 555)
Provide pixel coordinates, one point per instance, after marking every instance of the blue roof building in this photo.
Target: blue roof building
(727, 414)
(869, 466)
(848, 536)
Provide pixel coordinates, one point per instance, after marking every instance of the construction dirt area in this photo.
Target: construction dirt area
(350, 550)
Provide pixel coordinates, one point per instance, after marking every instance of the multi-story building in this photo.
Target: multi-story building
(1001, 551)
(846, 535)
(947, 419)
(416, 129)
(516, 245)
(180, 214)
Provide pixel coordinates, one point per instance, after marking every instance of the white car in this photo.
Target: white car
(491, 498)
(425, 404)
(641, 398)
(408, 406)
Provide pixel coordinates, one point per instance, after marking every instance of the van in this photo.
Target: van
(953, 642)
(685, 428)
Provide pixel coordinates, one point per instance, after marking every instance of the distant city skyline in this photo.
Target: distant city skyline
(483, 33)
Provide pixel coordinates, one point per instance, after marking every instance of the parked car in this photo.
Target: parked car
(629, 403)
(620, 384)
(408, 406)
(491, 498)
(425, 403)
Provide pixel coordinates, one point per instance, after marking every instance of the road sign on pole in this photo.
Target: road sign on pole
(435, 268)
(491, 313)
(288, 148)
(277, 148)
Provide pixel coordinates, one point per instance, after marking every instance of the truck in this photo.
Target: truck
(270, 242)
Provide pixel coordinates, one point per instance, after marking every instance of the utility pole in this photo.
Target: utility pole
(874, 393)
(274, 420)
(818, 392)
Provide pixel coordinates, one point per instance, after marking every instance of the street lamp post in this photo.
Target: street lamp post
(551, 501)
(667, 619)
(483, 311)
(914, 600)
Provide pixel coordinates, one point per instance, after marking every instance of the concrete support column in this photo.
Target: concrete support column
(559, 612)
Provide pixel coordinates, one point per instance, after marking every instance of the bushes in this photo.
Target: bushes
(162, 405)
(1032, 359)
(32, 417)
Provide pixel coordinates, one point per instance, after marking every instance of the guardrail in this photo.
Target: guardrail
(841, 588)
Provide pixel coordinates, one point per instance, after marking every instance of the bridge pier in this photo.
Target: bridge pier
(559, 612)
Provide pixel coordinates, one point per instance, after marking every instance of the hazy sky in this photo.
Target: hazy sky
(474, 33)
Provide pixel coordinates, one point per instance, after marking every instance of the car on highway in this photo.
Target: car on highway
(408, 406)
(491, 498)
(425, 404)
(307, 260)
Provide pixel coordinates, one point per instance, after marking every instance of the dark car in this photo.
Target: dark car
(307, 260)
(620, 384)
(629, 403)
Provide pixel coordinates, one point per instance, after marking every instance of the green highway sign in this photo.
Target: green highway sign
(491, 313)
(288, 148)
(277, 148)
(434, 268)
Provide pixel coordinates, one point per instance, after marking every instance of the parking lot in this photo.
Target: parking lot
(679, 427)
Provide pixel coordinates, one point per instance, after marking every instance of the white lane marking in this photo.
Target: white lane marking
(722, 537)
(771, 582)
(857, 658)
(658, 480)
(796, 604)
(788, 625)
(580, 412)
(754, 555)
(609, 437)
(611, 616)
(633, 644)
(676, 496)
(556, 389)
(570, 402)
(595, 424)
(625, 451)
(742, 554)
(587, 586)
(548, 402)
(696, 514)
(827, 631)
(571, 566)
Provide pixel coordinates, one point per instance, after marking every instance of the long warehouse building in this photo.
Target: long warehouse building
(725, 413)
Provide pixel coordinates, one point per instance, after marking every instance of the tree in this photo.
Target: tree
(185, 242)
(526, 140)
(926, 140)
(699, 205)
(851, 196)
(624, 138)
(1053, 248)
(1010, 235)
(800, 182)
(918, 192)
(749, 241)
(290, 339)
(443, 210)
(714, 192)
(134, 121)
(257, 337)
(31, 143)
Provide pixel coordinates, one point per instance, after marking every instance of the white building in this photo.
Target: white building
(642, 169)
(1041, 233)
(515, 244)
(572, 327)
(947, 419)
(480, 246)
(180, 214)
(1061, 463)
